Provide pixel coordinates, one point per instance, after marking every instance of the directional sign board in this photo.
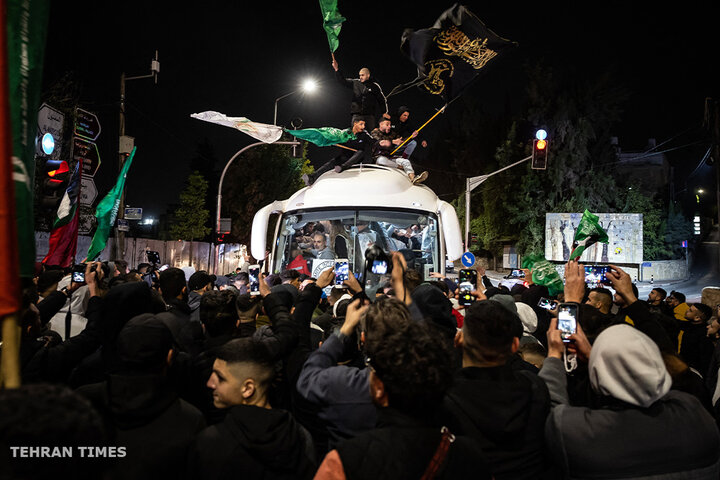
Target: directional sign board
(87, 125)
(133, 213)
(468, 260)
(88, 191)
(88, 152)
(123, 225)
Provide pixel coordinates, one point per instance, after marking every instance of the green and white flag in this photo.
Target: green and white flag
(332, 22)
(107, 210)
(587, 234)
(259, 131)
(323, 136)
(544, 273)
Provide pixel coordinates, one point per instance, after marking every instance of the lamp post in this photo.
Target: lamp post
(219, 194)
(125, 147)
(308, 86)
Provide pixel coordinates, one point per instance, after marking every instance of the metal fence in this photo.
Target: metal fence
(173, 253)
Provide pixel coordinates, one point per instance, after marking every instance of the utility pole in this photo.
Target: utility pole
(712, 123)
(125, 146)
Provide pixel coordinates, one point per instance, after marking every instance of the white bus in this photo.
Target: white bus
(364, 205)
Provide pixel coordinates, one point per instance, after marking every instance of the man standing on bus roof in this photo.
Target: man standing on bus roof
(368, 99)
(356, 151)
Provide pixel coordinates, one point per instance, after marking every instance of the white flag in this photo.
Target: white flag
(261, 131)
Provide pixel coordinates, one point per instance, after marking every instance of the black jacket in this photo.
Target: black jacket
(401, 447)
(253, 442)
(143, 414)
(505, 410)
(188, 334)
(367, 97)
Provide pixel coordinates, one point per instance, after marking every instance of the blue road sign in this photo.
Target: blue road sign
(468, 260)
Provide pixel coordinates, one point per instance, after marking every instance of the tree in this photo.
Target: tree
(191, 216)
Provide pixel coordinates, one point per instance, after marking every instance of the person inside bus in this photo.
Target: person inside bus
(320, 248)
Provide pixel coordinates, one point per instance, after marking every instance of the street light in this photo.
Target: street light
(308, 86)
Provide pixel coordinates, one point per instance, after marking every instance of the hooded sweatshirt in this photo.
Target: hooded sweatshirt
(644, 427)
(253, 442)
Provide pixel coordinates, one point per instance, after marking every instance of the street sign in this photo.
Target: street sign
(87, 125)
(468, 260)
(88, 151)
(123, 225)
(225, 225)
(133, 213)
(88, 191)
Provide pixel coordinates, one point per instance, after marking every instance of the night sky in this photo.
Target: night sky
(237, 59)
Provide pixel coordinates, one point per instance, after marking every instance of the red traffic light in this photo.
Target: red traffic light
(60, 167)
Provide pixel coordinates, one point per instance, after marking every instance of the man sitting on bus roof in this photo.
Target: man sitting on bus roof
(387, 142)
(362, 147)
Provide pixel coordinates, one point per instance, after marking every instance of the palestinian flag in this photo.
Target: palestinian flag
(63, 239)
(323, 136)
(587, 234)
(259, 131)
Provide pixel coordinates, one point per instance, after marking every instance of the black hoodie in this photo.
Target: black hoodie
(505, 409)
(145, 416)
(253, 442)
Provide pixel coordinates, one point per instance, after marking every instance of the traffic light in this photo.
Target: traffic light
(56, 174)
(540, 151)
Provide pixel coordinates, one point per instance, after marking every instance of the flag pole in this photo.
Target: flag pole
(423, 126)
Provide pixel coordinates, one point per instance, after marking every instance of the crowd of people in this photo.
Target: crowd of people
(195, 377)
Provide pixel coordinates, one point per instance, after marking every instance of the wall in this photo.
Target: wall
(172, 253)
(664, 270)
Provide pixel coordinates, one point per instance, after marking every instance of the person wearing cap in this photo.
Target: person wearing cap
(493, 401)
(199, 284)
(141, 407)
(188, 334)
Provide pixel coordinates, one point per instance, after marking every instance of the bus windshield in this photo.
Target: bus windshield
(311, 241)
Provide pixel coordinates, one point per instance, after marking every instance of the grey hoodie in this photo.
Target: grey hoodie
(626, 364)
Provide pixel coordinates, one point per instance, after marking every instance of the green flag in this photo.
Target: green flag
(588, 233)
(544, 273)
(332, 21)
(107, 210)
(323, 136)
(26, 33)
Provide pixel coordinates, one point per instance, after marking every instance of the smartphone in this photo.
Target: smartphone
(547, 304)
(567, 320)
(379, 267)
(468, 275)
(596, 275)
(342, 270)
(78, 273)
(518, 273)
(467, 283)
(254, 279)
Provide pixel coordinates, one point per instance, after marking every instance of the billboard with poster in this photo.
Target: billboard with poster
(625, 234)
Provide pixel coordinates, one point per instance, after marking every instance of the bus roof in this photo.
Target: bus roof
(364, 186)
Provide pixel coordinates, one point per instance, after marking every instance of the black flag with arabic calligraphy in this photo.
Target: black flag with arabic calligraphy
(451, 53)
